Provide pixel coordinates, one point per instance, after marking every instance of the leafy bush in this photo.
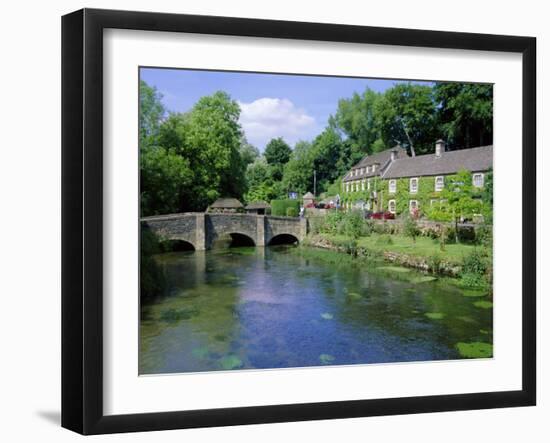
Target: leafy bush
(484, 235)
(291, 212)
(332, 222)
(353, 224)
(474, 269)
(279, 207)
(475, 263)
(410, 228)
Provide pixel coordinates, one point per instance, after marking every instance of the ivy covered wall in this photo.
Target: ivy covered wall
(473, 200)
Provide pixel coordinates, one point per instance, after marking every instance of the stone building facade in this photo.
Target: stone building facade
(393, 181)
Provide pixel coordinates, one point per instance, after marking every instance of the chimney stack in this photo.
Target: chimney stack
(439, 148)
(393, 154)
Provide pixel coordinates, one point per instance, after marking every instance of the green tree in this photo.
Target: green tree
(164, 178)
(277, 153)
(259, 181)
(151, 112)
(406, 114)
(298, 172)
(325, 152)
(249, 153)
(465, 113)
(356, 118)
(209, 138)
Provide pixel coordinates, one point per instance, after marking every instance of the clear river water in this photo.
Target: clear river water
(275, 307)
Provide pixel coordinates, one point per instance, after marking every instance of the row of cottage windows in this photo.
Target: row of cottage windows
(477, 181)
(368, 170)
(413, 204)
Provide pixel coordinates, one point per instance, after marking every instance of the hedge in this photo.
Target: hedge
(279, 207)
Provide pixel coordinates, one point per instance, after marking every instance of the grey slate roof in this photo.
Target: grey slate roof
(450, 162)
(380, 158)
(227, 203)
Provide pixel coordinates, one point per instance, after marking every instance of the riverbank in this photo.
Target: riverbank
(424, 254)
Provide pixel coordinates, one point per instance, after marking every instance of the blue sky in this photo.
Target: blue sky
(294, 107)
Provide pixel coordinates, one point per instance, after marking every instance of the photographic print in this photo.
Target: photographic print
(292, 221)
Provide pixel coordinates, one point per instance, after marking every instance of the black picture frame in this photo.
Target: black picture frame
(82, 218)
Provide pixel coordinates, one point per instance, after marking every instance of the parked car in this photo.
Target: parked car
(383, 215)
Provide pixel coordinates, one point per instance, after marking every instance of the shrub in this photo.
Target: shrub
(332, 222)
(410, 228)
(316, 224)
(475, 263)
(291, 212)
(474, 269)
(279, 207)
(484, 235)
(352, 224)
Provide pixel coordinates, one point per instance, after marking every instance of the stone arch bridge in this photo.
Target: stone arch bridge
(201, 229)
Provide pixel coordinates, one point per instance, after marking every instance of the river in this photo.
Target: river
(274, 307)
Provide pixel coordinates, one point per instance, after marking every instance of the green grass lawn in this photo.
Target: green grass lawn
(424, 246)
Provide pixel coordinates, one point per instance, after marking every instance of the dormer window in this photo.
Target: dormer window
(413, 186)
(439, 183)
(477, 180)
(368, 169)
(392, 186)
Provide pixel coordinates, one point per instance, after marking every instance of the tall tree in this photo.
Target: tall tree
(298, 172)
(209, 138)
(151, 113)
(277, 153)
(356, 118)
(406, 114)
(465, 112)
(249, 153)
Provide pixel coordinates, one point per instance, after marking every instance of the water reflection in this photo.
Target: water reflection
(270, 307)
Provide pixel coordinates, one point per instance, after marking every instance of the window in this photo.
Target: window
(392, 186)
(362, 171)
(347, 187)
(362, 185)
(434, 202)
(368, 184)
(413, 205)
(391, 206)
(373, 168)
(439, 183)
(477, 180)
(413, 186)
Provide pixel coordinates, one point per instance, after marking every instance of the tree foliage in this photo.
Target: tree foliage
(190, 159)
(151, 112)
(465, 113)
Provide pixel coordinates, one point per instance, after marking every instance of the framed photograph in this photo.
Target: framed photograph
(269, 221)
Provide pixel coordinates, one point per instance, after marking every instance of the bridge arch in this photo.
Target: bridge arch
(283, 239)
(173, 245)
(241, 239)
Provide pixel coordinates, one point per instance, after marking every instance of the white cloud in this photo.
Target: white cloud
(267, 118)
